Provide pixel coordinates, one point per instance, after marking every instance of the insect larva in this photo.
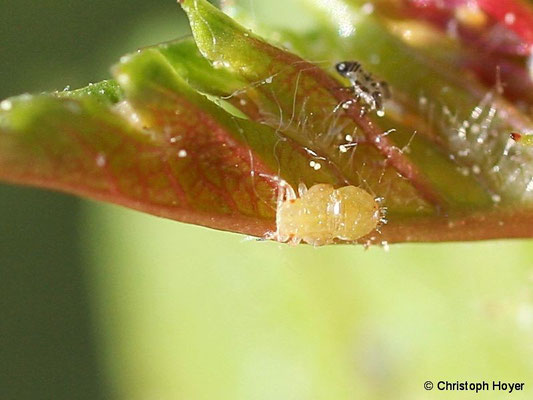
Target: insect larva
(322, 214)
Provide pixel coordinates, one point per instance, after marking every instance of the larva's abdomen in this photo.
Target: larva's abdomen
(324, 214)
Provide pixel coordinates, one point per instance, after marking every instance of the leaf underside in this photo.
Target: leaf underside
(209, 129)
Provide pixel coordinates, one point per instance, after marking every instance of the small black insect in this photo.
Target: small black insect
(367, 89)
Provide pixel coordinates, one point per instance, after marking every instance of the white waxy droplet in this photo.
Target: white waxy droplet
(464, 171)
(380, 113)
(317, 166)
(496, 198)
(529, 187)
(510, 18)
(476, 112)
(101, 160)
(182, 153)
(219, 64)
(123, 79)
(349, 138)
(268, 80)
(367, 8)
(135, 118)
(342, 148)
(6, 105)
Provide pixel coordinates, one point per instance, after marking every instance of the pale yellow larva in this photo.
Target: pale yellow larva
(323, 214)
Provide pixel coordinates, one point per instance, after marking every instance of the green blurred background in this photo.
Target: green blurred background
(99, 302)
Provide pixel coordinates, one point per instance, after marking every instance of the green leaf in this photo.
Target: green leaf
(466, 121)
(166, 150)
(106, 92)
(213, 131)
(457, 190)
(303, 103)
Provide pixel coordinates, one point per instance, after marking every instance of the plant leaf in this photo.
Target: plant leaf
(303, 103)
(180, 156)
(211, 131)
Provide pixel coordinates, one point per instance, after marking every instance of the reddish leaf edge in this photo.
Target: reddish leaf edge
(236, 223)
(495, 225)
(459, 228)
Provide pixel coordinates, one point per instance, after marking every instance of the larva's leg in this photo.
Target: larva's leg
(285, 192)
(281, 196)
(294, 240)
(302, 189)
(290, 193)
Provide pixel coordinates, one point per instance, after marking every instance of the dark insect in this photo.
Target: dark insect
(370, 91)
